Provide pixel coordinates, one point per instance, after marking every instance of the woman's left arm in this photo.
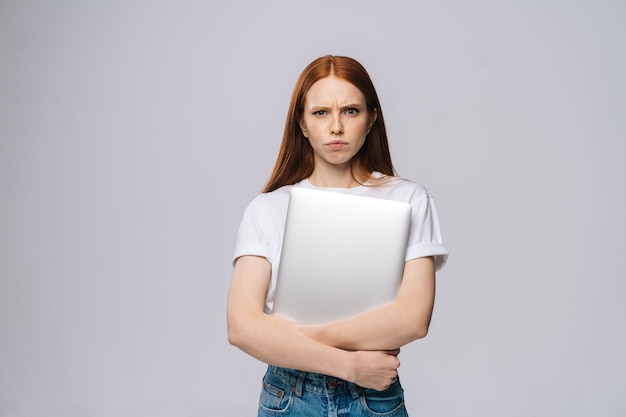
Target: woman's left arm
(391, 325)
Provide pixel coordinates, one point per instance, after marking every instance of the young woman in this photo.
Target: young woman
(334, 139)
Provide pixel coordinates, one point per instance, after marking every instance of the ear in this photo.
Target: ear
(305, 132)
(373, 115)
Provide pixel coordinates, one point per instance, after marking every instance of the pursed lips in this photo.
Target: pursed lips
(336, 144)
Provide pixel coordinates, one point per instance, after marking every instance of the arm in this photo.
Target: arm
(392, 325)
(278, 342)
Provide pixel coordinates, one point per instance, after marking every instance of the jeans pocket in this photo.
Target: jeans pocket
(388, 403)
(275, 397)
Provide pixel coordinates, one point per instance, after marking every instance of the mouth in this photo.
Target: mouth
(336, 144)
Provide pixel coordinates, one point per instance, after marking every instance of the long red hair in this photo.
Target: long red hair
(295, 159)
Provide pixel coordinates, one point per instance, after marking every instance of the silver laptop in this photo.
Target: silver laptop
(342, 255)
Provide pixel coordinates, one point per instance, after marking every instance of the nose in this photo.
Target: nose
(337, 126)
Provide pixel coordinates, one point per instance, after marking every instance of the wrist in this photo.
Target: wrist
(346, 366)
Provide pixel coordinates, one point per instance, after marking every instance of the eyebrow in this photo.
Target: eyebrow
(346, 106)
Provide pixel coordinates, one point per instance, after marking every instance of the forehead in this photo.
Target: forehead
(333, 90)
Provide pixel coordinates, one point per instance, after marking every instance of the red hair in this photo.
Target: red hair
(295, 158)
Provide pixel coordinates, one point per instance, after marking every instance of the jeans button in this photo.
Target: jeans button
(333, 384)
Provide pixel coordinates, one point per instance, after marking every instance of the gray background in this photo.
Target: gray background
(133, 134)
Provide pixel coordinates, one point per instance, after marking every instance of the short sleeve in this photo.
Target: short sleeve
(252, 235)
(425, 235)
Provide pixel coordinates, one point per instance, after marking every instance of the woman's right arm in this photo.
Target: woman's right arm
(278, 342)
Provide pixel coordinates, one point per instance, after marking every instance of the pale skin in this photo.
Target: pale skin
(364, 348)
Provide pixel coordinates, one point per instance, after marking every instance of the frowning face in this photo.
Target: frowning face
(336, 121)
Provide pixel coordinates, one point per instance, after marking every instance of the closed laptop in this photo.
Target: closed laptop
(342, 254)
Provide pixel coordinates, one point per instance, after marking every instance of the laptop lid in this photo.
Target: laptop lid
(342, 254)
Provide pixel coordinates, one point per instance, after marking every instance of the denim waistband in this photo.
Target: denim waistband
(319, 383)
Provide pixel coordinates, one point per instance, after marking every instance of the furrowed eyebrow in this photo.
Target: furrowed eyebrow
(344, 107)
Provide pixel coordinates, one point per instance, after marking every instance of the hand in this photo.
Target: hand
(374, 369)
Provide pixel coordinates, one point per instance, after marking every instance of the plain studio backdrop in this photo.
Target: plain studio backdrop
(134, 133)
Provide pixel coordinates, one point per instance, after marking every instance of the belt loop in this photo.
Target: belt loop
(355, 390)
(300, 383)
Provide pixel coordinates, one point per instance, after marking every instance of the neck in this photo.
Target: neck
(338, 177)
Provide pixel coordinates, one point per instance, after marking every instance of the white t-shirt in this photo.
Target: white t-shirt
(262, 227)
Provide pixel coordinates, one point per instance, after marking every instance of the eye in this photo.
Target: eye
(319, 112)
(352, 111)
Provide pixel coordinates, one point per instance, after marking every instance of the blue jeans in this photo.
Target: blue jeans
(287, 392)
